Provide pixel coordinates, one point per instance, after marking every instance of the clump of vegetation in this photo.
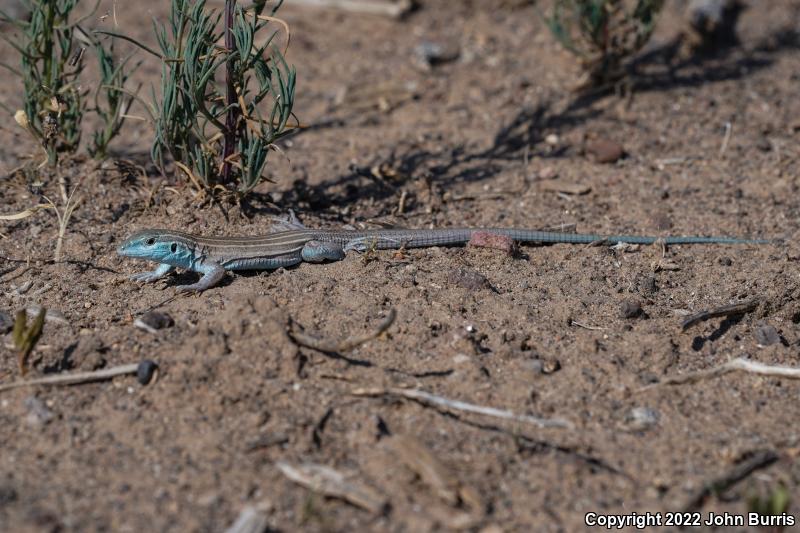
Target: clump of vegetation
(604, 34)
(220, 132)
(774, 503)
(51, 47)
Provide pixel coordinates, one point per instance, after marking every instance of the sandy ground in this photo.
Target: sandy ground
(480, 140)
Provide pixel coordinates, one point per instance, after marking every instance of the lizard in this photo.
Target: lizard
(290, 243)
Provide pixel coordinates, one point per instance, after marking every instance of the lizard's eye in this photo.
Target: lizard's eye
(150, 242)
(173, 248)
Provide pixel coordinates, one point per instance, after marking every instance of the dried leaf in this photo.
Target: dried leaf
(25, 214)
(330, 482)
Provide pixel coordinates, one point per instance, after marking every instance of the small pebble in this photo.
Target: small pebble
(145, 371)
(552, 139)
(429, 54)
(725, 261)
(605, 150)
(630, 309)
(153, 321)
(641, 418)
(767, 335)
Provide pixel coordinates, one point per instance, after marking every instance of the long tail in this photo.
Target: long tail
(393, 238)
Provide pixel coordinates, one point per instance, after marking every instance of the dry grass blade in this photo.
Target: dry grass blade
(738, 364)
(330, 482)
(427, 398)
(74, 378)
(63, 218)
(345, 345)
(250, 520)
(25, 338)
(28, 212)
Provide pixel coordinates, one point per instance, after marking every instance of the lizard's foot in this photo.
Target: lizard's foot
(318, 252)
(212, 274)
(155, 275)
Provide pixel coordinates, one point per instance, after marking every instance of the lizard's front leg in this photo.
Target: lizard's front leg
(212, 273)
(318, 252)
(151, 277)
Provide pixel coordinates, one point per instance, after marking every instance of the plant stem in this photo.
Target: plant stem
(232, 118)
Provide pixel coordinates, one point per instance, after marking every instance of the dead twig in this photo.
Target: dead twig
(757, 461)
(725, 310)
(586, 326)
(330, 482)
(345, 345)
(74, 378)
(426, 398)
(370, 7)
(741, 364)
(726, 139)
(63, 217)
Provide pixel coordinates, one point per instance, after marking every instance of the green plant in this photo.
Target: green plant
(25, 338)
(51, 47)
(111, 104)
(604, 34)
(219, 132)
(774, 503)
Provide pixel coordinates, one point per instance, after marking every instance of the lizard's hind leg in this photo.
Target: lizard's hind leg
(318, 252)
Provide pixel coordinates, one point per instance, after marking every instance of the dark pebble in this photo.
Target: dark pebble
(145, 371)
(630, 309)
(6, 322)
(725, 261)
(157, 320)
(767, 335)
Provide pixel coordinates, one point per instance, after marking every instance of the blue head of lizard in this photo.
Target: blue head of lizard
(159, 246)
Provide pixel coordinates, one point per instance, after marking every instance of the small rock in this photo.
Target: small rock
(429, 54)
(487, 239)
(605, 150)
(630, 309)
(6, 322)
(725, 261)
(641, 418)
(550, 366)
(552, 139)
(153, 321)
(468, 279)
(38, 413)
(145, 371)
(767, 335)
(547, 173)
